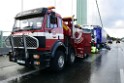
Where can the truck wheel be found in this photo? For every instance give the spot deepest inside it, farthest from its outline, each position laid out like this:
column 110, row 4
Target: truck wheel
column 86, row 55
column 58, row 61
column 71, row 57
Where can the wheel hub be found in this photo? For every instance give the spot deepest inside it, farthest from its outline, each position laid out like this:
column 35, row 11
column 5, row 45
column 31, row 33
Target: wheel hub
column 72, row 57
column 61, row 61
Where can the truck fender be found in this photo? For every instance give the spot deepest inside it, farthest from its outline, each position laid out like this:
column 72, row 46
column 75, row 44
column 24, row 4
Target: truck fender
column 56, row 46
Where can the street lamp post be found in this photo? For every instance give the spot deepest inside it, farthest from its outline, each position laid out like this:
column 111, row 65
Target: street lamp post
column 22, row 2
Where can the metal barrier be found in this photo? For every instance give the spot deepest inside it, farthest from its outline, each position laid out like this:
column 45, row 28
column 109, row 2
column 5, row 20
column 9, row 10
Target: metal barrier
column 3, row 49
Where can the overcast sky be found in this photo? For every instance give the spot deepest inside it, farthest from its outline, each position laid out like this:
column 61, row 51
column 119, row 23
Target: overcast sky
column 112, row 12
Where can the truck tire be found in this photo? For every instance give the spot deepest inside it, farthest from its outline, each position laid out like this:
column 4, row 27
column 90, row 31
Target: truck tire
column 58, row 62
column 71, row 57
column 86, row 55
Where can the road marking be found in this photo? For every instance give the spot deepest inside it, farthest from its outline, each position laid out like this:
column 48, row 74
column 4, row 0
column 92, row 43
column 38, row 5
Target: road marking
column 122, row 51
column 122, row 75
column 18, row 76
column 7, row 66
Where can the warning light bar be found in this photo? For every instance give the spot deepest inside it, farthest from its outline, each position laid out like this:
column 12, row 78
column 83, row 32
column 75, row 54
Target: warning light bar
column 51, row 7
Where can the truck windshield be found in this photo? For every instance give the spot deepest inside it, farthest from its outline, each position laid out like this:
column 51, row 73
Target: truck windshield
column 28, row 24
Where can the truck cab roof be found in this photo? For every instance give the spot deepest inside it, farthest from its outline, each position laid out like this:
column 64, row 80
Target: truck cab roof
column 31, row 13
column 34, row 13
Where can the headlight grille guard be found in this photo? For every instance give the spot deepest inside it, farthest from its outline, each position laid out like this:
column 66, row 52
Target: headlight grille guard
column 22, row 41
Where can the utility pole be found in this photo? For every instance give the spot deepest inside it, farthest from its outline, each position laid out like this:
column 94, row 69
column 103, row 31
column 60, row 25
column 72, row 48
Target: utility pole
column 55, row 3
column 1, row 39
column 22, row 4
column 72, row 7
column 81, row 12
column 99, row 13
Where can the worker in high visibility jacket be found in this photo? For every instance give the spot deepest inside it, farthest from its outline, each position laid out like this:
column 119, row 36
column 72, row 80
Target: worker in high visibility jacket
column 93, row 47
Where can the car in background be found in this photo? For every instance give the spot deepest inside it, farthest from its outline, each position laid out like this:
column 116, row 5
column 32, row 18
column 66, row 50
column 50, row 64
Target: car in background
column 122, row 40
column 110, row 41
column 117, row 41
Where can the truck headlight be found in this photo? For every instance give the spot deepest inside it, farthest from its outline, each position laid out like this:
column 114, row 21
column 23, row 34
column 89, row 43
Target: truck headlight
column 36, row 62
column 36, row 56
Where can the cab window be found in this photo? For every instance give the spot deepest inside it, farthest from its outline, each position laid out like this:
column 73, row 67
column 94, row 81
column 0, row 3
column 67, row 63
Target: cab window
column 60, row 22
column 52, row 21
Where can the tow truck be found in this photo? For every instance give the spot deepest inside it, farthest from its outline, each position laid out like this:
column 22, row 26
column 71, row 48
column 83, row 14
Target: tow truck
column 42, row 38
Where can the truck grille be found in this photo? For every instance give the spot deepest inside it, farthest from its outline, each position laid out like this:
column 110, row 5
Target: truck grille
column 19, row 41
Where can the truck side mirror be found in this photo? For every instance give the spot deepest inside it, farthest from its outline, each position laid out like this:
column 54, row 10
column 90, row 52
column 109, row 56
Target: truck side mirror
column 53, row 18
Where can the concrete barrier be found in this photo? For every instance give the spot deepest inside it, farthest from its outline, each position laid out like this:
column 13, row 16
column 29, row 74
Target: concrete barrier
column 4, row 51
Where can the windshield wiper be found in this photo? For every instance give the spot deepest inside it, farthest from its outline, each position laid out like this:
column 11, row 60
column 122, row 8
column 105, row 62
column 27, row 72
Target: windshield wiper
column 17, row 30
column 27, row 27
column 30, row 28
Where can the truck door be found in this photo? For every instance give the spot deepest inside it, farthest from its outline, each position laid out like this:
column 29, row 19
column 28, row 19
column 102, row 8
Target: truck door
column 53, row 30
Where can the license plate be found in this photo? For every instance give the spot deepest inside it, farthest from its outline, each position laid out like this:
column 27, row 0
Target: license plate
column 21, row 61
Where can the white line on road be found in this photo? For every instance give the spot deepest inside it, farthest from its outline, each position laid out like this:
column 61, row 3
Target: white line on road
column 122, row 75
column 18, row 76
column 7, row 66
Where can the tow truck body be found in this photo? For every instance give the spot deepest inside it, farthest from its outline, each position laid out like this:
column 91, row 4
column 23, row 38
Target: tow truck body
column 42, row 38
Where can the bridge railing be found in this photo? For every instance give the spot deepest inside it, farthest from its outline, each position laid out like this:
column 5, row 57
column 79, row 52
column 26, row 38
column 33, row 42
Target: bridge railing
column 3, row 48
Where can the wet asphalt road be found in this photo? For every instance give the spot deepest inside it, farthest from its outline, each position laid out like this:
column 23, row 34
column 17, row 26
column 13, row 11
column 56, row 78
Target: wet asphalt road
column 105, row 67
